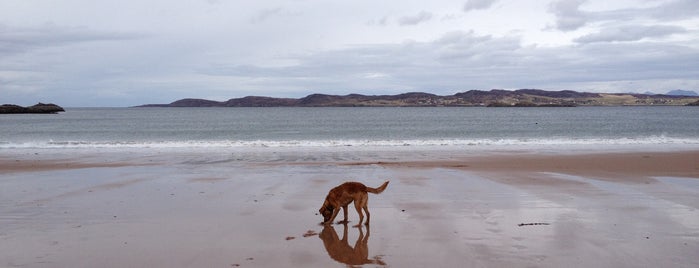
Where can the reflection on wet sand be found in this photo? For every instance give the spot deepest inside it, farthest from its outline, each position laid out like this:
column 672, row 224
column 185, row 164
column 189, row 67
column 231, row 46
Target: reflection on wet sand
column 341, row 251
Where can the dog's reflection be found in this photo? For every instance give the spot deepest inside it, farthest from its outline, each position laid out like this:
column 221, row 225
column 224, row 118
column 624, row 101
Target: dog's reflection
column 341, row 251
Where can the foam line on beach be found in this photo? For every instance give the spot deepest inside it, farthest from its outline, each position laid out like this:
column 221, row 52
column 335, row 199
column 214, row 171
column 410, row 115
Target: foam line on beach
column 345, row 143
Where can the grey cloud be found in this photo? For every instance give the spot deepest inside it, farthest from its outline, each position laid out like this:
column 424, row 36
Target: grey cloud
column 271, row 13
column 668, row 11
column 478, row 4
column 420, row 17
column 15, row 40
column 678, row 9
column 568, row 14
column 265, row 14
column 630, row 33
column 383, row 21
column 569, row 17
column 459, row 47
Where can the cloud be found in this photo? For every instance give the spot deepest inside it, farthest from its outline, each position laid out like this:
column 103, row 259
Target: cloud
column 478, row 4
column 568, row 14
column 570, row 17
column 15, row 40
column 630, row 33
column 383, row 21
column 420, row 17
column 265, row 14
column 668, row 11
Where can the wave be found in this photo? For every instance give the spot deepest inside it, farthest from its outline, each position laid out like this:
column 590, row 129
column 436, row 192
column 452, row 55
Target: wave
column 345, row 143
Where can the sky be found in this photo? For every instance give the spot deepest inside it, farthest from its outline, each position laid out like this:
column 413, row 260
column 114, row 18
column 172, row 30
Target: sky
column 102, row 53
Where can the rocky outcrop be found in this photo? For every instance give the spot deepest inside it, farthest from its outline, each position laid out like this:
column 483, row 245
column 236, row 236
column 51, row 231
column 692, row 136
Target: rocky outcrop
column 40, row 108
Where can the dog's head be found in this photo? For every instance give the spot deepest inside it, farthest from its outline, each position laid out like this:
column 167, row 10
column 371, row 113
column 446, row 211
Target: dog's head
column 327, row 211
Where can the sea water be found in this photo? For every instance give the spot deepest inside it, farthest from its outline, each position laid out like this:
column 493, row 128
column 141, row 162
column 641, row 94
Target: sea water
column 350, row 126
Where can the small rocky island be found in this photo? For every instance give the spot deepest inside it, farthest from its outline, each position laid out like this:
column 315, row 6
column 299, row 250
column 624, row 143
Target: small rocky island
column 39, row 108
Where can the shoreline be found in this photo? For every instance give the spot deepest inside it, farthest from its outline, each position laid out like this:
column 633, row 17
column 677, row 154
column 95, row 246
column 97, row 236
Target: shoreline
column 648, row 164
column 658, row 160
column 478, row 208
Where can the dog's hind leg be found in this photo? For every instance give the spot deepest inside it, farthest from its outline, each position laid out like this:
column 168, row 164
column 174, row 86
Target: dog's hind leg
column 359, row 205
column 367, row 215
column 366, row 209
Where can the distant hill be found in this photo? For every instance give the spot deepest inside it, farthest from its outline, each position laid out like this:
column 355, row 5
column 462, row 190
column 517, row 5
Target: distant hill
column 679, row 92
column 492, row 98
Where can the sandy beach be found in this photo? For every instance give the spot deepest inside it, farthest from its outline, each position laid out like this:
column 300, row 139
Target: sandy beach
column 258, row 208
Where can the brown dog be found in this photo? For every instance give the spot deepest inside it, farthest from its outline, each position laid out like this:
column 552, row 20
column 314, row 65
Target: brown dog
column 341, row 196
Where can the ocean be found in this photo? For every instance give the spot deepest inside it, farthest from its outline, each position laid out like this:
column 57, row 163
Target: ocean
column 348, row 126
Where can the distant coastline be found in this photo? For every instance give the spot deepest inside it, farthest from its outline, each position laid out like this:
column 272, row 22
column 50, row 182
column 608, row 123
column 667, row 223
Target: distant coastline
column 492, row 98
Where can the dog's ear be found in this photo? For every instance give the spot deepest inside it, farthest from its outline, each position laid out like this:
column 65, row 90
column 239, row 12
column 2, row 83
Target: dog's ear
column 330, row 207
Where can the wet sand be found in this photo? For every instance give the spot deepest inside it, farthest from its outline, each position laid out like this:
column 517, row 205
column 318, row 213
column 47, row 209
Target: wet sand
column 445, row 208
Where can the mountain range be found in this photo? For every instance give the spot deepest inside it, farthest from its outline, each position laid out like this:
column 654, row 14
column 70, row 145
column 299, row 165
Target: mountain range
column 492, row 98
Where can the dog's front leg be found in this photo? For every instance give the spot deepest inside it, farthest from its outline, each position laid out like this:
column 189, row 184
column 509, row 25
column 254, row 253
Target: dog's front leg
column 344, row 210
column 332, row 218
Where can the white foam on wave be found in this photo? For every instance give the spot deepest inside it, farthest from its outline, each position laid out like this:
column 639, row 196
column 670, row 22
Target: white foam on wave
column 654, row 140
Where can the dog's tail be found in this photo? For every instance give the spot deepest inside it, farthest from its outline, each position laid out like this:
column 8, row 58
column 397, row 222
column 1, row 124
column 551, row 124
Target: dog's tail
column 377, row 190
